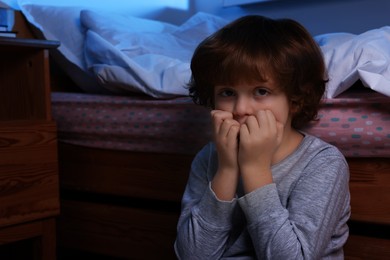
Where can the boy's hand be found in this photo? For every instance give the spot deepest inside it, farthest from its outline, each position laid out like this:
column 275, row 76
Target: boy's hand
column 260, row 137
column 225, row 136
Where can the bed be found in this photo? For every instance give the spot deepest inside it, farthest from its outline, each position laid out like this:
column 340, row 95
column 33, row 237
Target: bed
column 128, row 131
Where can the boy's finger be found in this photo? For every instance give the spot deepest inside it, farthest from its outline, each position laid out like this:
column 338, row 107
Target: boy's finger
column 252, row 123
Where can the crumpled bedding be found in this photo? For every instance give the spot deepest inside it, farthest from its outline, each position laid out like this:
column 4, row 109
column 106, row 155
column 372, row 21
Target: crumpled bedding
column 143, row 57
column 123, row 54
column 350, row 58
column 157, row 63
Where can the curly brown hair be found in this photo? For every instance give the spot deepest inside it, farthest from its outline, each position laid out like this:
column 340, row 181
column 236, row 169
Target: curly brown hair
column 253, row 47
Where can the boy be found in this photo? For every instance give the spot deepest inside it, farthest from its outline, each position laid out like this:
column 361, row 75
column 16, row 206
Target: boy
column 263, row 189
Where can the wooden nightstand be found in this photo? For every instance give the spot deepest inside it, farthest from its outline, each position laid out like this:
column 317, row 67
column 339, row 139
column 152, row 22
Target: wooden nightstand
column 29, row 189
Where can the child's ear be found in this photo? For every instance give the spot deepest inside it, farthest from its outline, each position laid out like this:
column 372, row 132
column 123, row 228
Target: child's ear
column 295, row 107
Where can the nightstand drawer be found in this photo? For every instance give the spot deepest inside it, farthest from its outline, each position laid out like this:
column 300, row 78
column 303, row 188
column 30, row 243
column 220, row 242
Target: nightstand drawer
column 28, row 171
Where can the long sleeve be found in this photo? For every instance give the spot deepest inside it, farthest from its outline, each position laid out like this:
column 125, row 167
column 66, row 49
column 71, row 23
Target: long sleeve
column 304, row 228
column 205, row 221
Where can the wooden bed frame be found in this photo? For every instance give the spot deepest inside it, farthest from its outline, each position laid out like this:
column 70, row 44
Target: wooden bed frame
column 120, row 204
column 126, row 204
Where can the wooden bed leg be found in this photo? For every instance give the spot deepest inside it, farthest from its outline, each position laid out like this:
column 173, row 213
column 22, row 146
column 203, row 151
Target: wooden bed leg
column 48, row 240
column 44, row 246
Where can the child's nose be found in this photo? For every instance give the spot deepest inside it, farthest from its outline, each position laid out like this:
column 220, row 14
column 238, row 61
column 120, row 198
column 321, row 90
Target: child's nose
column 242, row 108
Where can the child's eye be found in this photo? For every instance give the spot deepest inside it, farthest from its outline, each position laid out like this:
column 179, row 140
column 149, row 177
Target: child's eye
column 261, row 92
column 226, row 93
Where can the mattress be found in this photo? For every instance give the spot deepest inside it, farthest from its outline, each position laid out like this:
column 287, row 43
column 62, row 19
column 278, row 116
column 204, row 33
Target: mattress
column 131, row 123
column 357, row 122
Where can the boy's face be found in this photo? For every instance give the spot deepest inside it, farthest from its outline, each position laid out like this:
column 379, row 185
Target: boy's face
column 247, row 99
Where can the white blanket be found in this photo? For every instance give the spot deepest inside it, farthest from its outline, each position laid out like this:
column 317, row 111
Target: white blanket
column 133, row 57
column 350, row 57
column 128, row 54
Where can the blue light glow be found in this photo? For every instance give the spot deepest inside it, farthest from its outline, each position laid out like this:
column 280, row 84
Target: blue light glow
column 114, row 4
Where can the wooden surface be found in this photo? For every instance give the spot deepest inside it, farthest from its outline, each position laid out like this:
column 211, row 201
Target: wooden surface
column 38, row 236
column 13, row 44
column 108, row 183
column 117, row 231
column 29, row 186
column 370, row 190
column 131, row 207
column 121, row 173
column 364, row 248
column 28, row 171
column 24, row 84
column 22, row 26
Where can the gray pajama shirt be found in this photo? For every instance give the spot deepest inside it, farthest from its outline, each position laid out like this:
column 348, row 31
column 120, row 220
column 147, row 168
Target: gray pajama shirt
column 302, row 215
